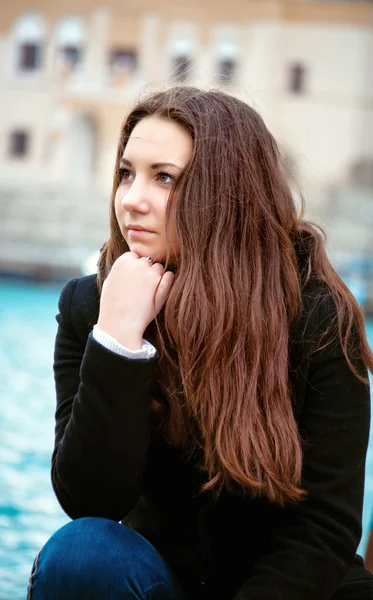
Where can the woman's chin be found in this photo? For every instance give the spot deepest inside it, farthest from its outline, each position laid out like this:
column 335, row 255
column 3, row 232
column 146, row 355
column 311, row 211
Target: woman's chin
column 144, row 251
column 141, row 249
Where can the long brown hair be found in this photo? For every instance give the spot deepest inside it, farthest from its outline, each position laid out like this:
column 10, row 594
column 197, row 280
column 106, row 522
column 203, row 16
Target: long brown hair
column 224, row 333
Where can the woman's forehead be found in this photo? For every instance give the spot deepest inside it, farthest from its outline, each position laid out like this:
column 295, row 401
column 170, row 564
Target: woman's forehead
column 161, row 139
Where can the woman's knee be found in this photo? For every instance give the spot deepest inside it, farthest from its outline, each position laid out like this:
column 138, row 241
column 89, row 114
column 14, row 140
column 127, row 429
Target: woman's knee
column 92, row 554
column 81, row 540
column 82, row 555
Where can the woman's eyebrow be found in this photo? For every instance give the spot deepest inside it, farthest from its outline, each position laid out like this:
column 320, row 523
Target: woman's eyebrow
column 158, row 165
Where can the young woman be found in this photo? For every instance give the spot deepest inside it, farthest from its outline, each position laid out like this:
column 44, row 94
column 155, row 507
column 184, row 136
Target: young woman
column 212, row 394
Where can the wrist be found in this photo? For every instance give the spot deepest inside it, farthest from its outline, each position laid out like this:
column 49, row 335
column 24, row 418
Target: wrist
column 129, row 338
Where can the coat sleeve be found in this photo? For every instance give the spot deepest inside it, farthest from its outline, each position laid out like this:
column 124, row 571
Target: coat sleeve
column 313, row 549
column 102, row 427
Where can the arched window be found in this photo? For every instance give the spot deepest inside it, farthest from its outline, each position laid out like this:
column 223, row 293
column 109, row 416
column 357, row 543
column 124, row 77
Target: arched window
column 227, row 61
column 29, row 35
column 70, row 39
column 181, row 57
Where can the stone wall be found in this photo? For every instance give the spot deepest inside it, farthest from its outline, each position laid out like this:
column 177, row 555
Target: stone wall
column 49, row 232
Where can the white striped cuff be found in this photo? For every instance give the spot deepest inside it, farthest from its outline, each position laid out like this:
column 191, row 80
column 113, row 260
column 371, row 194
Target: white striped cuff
column 106, row 340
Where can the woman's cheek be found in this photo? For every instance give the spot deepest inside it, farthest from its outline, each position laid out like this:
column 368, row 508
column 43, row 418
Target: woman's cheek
column 117, row 203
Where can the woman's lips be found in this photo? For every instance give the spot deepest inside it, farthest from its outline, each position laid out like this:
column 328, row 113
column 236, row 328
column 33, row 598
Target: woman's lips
column 139, row 233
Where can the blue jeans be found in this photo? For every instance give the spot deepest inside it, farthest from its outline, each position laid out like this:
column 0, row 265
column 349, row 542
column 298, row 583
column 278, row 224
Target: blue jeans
column 100, row 559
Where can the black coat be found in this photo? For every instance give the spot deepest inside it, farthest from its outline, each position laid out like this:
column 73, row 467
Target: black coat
column 109, row 462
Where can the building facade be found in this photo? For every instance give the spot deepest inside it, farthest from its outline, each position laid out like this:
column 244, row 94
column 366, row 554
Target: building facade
column 70, row 71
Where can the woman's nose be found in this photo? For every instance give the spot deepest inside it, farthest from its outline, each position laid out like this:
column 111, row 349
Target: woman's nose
column 135, row 198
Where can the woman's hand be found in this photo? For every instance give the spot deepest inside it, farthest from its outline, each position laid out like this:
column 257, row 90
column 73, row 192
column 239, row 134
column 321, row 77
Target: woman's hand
column 127, row 298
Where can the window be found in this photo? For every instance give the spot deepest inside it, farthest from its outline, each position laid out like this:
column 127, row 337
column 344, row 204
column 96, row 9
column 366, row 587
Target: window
column 123, row 60
column 70, row 34
column 182, row 66
column 28, row 57
column 29, row 35
column 71, row 55
column 226, row 53
column 297, row 78
column 181, row 49
column 19, row 143
column 227, row 70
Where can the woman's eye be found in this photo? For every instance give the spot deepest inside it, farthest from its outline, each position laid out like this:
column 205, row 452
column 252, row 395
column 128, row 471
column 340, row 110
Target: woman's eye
column 124, row 175
column 165, row 178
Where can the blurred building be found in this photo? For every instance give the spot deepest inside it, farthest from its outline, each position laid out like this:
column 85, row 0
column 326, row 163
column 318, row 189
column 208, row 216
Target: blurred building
column 70, row 71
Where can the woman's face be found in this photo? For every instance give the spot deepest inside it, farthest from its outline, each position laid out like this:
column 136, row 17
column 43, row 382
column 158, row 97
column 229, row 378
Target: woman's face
column 156, row 153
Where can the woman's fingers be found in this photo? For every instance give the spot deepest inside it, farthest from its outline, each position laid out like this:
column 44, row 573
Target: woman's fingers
column 163, row 289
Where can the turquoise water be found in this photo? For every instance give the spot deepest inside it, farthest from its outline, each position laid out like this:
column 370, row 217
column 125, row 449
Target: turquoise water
column 29, row 512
